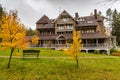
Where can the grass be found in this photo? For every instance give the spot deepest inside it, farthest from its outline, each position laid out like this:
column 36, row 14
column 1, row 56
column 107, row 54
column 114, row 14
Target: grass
column 59, row 68
column 43, row 52
column 47, row 52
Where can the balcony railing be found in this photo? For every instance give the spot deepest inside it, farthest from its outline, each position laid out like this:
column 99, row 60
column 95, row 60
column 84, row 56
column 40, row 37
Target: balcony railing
column 85, row 46
column 56, row 46
column 96, row 46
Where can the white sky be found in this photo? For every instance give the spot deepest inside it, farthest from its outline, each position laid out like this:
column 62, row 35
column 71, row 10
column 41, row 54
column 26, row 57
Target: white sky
column 30, row 11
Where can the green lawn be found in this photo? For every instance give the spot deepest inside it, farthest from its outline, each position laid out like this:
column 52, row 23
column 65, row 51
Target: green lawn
column 43, row 52
column 47, row 52
column 60, row 68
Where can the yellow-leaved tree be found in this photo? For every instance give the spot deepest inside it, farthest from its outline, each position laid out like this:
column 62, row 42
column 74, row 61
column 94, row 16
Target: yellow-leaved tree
column 75, row 47
column 13, row 33
column 35, row 40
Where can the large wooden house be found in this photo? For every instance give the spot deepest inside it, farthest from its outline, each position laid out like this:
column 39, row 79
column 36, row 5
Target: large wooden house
column 55, row 33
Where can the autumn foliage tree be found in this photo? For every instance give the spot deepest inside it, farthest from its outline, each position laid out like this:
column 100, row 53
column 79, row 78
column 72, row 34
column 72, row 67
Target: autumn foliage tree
column 35, row 40
column 12, row 33
column 75, row 47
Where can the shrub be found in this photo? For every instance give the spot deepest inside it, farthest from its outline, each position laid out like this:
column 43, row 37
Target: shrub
column 113, row 50
column 96, row 51
column 115, row 53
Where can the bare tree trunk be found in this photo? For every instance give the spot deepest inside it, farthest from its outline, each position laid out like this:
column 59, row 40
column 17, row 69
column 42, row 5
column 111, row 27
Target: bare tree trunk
column 12, row 50
column 77, row 64
column 18, row 50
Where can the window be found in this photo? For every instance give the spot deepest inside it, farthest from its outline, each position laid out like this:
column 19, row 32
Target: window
column 60, row 32
column 69, row 26
column 60, row 27
column 41, row 33
column 90, row 30
column 81, row 19
column 45, row 24
column 51, row 32
column 65, row 18
column 89, row 21
column 82, row 31
column 69, row 32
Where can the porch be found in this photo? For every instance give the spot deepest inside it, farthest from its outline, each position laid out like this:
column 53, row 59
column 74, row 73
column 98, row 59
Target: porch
column 85, row 47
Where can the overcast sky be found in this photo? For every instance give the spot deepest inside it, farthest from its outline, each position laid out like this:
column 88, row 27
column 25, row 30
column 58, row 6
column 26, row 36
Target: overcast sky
column 30, row 11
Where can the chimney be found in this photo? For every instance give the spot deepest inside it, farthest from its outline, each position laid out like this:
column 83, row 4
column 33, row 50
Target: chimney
column 76, row 15
column 95, row 13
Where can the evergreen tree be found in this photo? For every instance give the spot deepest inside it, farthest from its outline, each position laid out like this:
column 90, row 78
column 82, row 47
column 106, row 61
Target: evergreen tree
column 109, row 16
column 99, row 13
column 113, row 18
column 116, row 26
column 30, row 32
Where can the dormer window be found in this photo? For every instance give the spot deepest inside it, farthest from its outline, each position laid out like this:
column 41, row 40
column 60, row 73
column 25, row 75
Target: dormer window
column 89, row 21
column 81, row 19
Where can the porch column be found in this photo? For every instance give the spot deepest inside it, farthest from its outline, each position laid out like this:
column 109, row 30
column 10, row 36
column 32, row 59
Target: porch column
column 108, row 52
column 114, row 42
column 97, row 42
column 40, row 45
column 66, row 43
column 86, row 51
column 57, row 44
column 57, row 41
column 86, row 43
column 110, row 42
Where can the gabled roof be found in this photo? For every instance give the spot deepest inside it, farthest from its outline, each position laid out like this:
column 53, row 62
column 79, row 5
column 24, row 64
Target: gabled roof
column 43, row 19
column 89, row 18
column 63, row 14
column 61, row 35
column 99, row 18
column 47, row 23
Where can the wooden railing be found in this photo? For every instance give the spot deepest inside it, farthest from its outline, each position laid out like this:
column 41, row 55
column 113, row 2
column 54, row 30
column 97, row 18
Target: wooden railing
column 57, row 46
column 85, row 46
column 96, row 46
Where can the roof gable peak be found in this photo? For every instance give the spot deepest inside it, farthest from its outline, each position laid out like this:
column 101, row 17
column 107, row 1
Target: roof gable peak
column 64, row 13
column 43, row 19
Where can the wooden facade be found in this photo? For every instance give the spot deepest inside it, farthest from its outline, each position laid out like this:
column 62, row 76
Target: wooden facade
column 55, row 33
